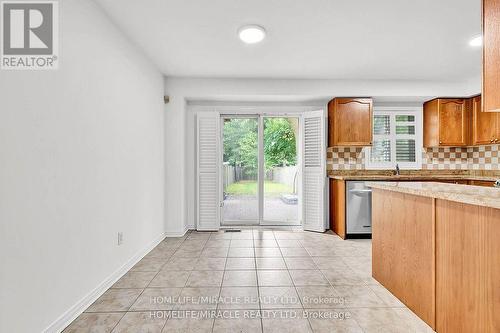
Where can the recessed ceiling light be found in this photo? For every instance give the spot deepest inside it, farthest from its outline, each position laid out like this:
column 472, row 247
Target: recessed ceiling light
column 476, row 41
column 252, row 34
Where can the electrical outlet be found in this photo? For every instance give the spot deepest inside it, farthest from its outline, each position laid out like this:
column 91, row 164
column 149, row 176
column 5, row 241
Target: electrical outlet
column 120, row 238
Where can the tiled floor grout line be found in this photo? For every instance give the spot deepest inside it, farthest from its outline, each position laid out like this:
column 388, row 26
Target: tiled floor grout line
column 284, row 308
column 117, row 322
column 329, row 283
column 295, row 287
column 257, row 281
column 173, row 306
column 220, row 289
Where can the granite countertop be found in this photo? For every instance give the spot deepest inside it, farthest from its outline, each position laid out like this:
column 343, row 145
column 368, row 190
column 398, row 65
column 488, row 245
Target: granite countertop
column 485, row 175
column 473, row 195
column 412, row 177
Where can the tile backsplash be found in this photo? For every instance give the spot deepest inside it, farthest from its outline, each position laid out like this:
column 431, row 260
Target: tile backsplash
column 484, row 157
column 345, row 158
column 444, row 158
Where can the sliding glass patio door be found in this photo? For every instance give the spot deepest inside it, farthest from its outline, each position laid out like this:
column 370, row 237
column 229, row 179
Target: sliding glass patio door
column 240, row 170
column 260, row 170
column 280, row 171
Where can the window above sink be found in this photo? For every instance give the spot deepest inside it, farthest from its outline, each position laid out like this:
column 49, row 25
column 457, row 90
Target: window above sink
column 397, row 139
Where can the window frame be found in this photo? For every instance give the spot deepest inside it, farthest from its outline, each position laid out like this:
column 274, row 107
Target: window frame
column 392, row 112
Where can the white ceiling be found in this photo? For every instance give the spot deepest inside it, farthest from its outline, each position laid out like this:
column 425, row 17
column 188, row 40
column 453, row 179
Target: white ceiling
column 334, row 39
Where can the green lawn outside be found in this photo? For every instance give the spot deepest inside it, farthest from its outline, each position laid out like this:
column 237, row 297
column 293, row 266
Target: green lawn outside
column 249, row 187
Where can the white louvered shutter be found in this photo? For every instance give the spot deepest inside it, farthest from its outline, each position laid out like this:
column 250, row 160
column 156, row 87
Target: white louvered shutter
column 208, row 211
column 313, row 130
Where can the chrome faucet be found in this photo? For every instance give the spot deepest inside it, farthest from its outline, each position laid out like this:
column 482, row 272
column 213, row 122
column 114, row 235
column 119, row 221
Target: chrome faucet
column 497, row 183
column 397, row 172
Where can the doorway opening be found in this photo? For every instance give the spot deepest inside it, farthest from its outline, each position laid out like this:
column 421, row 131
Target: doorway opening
column 260, row 170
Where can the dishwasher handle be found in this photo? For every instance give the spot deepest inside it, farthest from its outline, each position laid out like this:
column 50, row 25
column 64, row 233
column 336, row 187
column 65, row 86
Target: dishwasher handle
column 360, row 192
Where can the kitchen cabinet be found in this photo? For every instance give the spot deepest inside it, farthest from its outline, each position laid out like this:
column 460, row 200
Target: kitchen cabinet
column 484, row 183
column 439, row 257
column 337, row 207
column 491, row 56
column 403, row 249
column 453, row 181
column 338, row 198
column 486, row 125
column 467, row 270
column 350, row 122
column 446, row 123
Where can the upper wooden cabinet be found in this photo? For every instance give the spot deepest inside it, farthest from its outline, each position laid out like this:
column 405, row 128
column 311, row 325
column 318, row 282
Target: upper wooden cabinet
column 491, row 55
column 486, row 125
column 446, row 123
column 350, row 122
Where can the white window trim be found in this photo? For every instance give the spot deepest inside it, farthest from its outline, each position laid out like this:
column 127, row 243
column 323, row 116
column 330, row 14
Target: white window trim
column 392, row 111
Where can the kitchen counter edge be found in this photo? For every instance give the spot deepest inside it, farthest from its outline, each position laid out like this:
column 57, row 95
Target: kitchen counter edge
column 467, row 194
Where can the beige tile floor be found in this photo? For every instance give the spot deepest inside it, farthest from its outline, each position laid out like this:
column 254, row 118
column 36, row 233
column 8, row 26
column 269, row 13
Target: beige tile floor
column 258, row 280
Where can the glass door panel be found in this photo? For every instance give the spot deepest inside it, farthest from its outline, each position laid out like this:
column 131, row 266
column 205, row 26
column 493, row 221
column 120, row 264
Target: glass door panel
column 240, row 170
column 281, row 170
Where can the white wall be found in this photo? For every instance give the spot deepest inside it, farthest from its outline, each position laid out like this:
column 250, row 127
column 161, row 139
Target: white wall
column 294, row 94
column 81, row 152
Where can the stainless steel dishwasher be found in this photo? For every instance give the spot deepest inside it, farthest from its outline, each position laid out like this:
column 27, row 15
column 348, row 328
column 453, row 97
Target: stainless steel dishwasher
column 359, row 208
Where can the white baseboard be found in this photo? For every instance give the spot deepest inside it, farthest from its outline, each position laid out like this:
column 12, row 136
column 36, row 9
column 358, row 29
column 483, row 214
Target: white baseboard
column 176, row 233
column 65, row 319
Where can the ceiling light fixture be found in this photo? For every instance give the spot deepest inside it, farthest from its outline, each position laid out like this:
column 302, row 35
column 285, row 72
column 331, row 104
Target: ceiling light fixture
column 476, row 41
column 252, row 34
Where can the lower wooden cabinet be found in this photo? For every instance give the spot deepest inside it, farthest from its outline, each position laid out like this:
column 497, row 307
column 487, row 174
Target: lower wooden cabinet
column 337, row 200
column 485, row 183
column 454, row 181
column 403, row 249
column 467, row 268
column 441, row 258
column 337, row 207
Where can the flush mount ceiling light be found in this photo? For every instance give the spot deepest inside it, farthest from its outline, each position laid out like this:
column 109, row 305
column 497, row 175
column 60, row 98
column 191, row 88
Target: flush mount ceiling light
column 252, row 34
column 476, row 41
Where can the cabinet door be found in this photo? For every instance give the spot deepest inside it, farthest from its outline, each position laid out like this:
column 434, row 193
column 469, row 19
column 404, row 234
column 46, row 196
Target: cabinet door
column 497, row 132
column 485, row 124
column 337, row 207
column 431, row 123
column 331, row 112
column 467, row 270
column 352, row 122
column 452, row 122
column 491, row 56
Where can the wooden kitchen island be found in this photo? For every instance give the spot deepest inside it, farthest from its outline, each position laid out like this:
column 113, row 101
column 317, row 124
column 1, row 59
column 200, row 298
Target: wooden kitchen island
column 437, row 248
